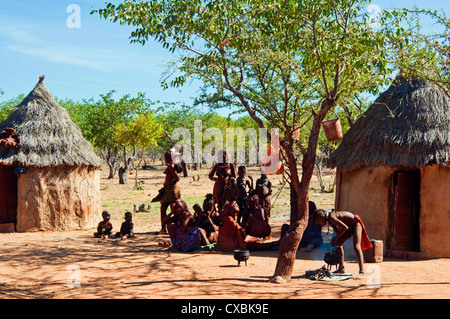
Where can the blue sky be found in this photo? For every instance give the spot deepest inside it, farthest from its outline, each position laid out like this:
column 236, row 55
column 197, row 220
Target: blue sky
column 95, row 58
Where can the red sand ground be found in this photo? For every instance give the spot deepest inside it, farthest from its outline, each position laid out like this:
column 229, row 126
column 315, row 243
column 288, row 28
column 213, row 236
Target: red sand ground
column 37, row 265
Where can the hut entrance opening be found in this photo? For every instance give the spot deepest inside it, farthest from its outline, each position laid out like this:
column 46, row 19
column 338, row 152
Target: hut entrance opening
column 8, row 195
column 406, row 210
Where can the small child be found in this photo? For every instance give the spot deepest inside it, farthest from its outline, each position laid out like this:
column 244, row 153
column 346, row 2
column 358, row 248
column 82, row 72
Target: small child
column 264, row 190
column 105, row 227
column 345, row 225
column 230, row 192
column 127, row 227
column 244, row 186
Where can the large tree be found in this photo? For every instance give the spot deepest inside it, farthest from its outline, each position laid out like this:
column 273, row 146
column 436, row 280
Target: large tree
column 287, row 63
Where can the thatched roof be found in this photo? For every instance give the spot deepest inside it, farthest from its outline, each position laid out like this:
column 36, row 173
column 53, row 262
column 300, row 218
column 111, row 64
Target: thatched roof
column 407, row 126
column 48, row 137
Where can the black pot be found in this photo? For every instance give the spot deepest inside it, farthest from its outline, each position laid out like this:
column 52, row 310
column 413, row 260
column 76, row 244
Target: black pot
column 241, row 255
column 331, row 258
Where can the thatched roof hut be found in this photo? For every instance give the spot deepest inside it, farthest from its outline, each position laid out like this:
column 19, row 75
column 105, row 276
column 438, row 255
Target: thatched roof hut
column 408, row 125
column 393, row 169
column 48, row 135
column 53, row 172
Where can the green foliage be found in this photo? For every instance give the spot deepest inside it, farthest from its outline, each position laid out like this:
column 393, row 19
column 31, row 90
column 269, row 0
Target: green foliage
column 197, row 121
column 143, row 131
column 276, row 60
column 7, row 106
column 425, row 54
column 100, row 119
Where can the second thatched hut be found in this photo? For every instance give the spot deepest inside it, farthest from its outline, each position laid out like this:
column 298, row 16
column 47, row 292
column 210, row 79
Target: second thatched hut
column 393, row 169
column 50, row 174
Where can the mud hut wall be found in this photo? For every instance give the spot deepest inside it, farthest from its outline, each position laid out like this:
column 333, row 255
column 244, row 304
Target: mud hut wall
column 61, row 197
column 435, row 211
column 366, row 192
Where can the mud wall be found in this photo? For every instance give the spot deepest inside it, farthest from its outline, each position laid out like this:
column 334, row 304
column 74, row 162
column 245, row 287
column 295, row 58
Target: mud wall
column 368, row 192
column 58, row 198
column 435, row 211
column 365, row 192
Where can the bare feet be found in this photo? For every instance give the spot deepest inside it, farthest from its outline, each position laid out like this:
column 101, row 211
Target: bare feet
column 340, row 270
column 164, row 244
column 361, row 275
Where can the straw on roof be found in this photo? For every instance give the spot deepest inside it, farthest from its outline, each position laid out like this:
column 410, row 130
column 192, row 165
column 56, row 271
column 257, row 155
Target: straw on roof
column 48, row 137
column 407, row 126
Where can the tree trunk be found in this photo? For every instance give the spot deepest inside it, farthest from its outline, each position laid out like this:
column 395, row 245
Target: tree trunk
column 137, row 167
column 111, row 170
column 299, row 220
column 123, row 171
column 319, row 173
column 111, row 160
column 184, row 167
column 123, row 175
column 289, row 244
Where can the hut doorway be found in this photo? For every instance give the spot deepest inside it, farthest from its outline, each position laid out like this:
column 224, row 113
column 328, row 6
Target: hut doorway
column 8, row 195
column 406, row 235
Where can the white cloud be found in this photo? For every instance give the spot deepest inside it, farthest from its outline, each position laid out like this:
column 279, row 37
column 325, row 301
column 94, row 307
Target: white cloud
column 57, row 55
column 24, row 39
column 32, row 40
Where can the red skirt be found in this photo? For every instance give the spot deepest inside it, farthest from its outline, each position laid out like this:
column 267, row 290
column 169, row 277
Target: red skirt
column 365, row 241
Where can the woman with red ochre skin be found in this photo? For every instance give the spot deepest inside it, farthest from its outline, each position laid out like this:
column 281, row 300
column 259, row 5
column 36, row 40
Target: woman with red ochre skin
column 224, row 170
column 345, row 225
column 170, row 192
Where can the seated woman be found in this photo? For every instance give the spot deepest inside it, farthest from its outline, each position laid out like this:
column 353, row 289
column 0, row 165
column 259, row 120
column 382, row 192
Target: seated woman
column 254, row 220
column 233, row 237
column 204, row 221
column 184, row 235
column 312, row 236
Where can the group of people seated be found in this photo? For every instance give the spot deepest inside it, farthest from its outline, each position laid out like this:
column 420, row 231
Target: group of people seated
column 234, row 217
column 232, row 194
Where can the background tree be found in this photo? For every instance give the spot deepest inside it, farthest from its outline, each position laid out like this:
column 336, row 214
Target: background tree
column 7, row 106
column 286, row 63
column 99, row 119
column 143, row 132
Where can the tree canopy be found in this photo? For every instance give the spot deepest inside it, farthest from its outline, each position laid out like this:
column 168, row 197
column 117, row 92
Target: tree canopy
column 287, row 63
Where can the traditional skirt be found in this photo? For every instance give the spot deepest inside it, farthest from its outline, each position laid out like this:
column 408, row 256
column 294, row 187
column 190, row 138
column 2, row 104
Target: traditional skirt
column 188, row 240
column 168, row 194
column 365, row 240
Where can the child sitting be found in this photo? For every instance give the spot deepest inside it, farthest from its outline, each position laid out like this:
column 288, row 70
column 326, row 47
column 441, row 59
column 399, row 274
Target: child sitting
column 127, row 227
column 105, row 227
